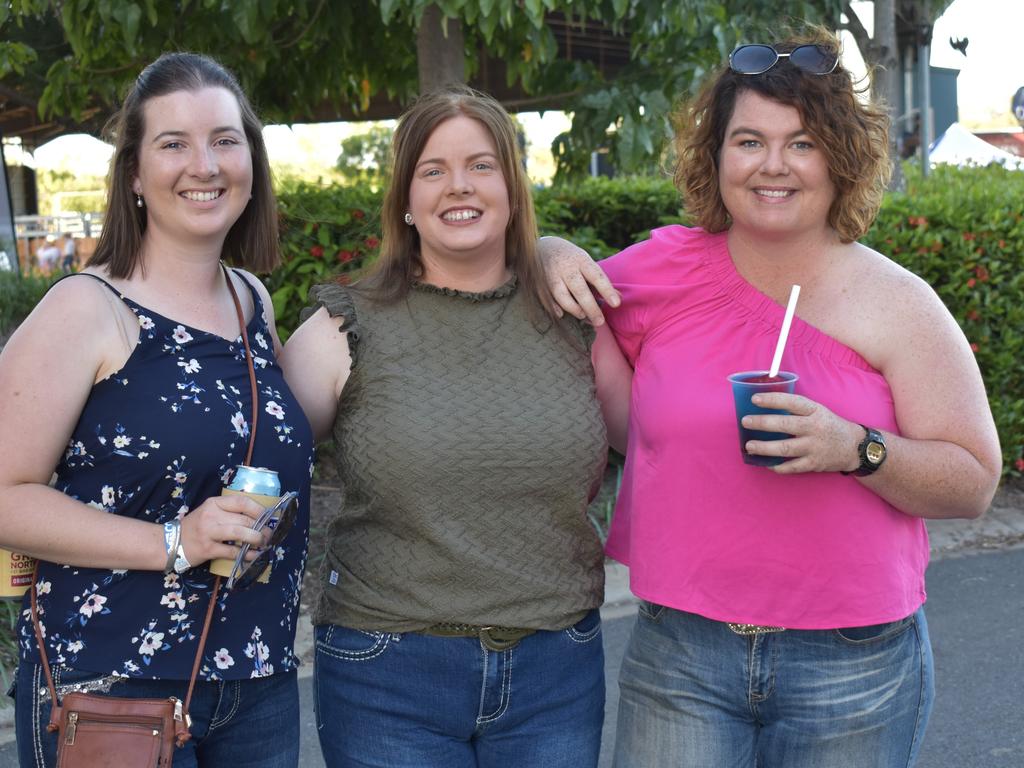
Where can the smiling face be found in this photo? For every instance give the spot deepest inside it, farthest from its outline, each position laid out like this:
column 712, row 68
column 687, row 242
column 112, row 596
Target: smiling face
column 773, row 176
column 458, row 196
column 195, row 166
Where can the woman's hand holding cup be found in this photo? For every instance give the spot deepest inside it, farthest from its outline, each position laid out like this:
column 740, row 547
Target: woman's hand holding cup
column 219, row 526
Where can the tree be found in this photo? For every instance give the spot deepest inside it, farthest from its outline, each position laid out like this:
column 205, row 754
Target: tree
column 910, row 20
column 303, row 60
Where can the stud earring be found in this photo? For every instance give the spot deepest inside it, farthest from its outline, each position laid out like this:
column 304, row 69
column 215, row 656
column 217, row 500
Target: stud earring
column 138, row 201
column 408, row 219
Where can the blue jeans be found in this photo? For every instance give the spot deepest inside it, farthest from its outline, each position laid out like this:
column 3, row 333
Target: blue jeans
column 695, row 695
column 409, row 700
column 239, row 723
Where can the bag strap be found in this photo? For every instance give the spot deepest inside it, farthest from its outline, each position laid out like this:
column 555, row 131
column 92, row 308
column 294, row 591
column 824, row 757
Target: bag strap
column 182, row 733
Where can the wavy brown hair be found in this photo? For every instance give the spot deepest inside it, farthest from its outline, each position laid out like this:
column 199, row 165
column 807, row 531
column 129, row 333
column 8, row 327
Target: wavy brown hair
column 399, row 262
column 853, row 135
column 252, row 241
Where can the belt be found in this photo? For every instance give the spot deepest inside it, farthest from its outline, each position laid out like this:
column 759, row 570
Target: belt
column 753, row 629
column 495, row 638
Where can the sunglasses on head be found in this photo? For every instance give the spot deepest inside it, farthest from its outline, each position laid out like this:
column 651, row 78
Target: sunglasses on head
column 759, row 58
column 278, row 519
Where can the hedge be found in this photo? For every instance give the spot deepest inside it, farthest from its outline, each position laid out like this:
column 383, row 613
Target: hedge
column 959, row 229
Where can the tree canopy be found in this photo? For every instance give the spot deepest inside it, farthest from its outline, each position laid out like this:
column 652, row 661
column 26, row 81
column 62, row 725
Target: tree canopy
column 307, row 60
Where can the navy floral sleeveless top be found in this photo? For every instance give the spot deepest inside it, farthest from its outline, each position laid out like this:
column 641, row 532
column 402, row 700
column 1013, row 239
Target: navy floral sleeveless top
column 154, row 440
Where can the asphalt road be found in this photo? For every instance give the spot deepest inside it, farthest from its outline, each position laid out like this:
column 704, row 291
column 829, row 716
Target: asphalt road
column 976, row 618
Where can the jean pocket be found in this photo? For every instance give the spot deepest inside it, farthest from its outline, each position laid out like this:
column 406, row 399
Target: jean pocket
column 350, row 644
column 651, row 611
column 875, row 633
column 586, row 629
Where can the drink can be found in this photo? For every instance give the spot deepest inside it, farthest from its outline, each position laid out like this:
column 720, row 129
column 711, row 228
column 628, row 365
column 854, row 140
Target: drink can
column 264, row 487
column 16, row 572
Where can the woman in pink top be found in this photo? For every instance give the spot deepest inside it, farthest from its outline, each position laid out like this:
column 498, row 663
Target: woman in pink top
column 780, row 620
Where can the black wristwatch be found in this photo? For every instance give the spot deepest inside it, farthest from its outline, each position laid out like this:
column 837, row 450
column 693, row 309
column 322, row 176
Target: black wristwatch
column 872, row 453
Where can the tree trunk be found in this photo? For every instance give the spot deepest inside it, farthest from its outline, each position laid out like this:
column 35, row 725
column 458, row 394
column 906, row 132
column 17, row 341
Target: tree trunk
column 886, row 85
column 440, row 50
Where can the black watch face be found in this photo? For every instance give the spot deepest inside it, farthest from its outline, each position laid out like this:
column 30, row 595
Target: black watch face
column 875, row 452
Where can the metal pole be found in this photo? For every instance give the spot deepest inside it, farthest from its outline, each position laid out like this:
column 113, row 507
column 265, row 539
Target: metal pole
column 924, row 55
column 8, row 239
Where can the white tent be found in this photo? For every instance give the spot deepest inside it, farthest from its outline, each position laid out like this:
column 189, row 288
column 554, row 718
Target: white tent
column 958, row 146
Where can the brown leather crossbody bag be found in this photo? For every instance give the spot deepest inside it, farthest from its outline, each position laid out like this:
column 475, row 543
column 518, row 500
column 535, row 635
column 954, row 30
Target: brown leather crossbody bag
column 95, row 731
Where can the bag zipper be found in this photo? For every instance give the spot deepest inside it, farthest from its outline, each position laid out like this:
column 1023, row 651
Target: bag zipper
column 69, row 737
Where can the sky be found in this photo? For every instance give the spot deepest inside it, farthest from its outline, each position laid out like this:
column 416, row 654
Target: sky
column 987, row 82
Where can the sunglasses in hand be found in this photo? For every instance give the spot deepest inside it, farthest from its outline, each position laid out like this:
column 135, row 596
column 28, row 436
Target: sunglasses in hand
column 278, row 519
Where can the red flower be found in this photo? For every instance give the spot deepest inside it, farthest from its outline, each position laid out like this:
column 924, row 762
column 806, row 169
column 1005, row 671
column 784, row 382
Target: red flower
column 974, row 347
column 968, row 236
column 344, row 256
column 971, row 282
column 358, row 214
column 981, row 273
column 1019, row 464
column 973, row 315
column 371, row 242
column 317, row 251
column 917, row 221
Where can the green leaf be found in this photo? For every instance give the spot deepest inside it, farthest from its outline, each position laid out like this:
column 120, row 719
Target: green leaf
column 128, row 16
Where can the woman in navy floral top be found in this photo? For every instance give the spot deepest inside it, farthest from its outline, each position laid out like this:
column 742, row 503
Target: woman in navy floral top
column 129, row 381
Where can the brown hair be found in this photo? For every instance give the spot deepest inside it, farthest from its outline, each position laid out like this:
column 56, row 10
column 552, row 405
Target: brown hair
column 399, row 262
column 252, row 241
column 853, row 135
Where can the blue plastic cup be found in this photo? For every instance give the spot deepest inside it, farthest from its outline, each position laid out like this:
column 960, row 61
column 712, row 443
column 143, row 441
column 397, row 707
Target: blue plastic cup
column 744, row 386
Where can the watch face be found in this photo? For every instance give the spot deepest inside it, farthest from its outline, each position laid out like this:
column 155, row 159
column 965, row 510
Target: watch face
column 875, row 452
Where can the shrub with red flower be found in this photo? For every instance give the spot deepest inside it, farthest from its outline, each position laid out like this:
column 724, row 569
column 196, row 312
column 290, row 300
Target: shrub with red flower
column 317, row 251
column 358, row 214
column 345, row 256
column 1019, row 464
column 371, row 242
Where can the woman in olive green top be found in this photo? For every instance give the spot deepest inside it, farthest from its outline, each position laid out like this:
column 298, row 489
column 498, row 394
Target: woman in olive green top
column 458, row 624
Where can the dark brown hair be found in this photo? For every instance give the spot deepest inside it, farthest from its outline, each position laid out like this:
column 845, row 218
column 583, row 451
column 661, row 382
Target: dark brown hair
column 252, row 241
column 853, row 135
column 399, row 262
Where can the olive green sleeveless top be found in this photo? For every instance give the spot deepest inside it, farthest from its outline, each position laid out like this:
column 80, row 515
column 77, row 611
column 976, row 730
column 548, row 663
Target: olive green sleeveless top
column 468, row 443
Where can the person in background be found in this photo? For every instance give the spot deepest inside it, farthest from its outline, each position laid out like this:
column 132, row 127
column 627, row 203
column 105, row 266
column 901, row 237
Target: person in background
column 48, row 255
column 458, row 625
column 129, row 380
column 68, row 253
column 781, row 620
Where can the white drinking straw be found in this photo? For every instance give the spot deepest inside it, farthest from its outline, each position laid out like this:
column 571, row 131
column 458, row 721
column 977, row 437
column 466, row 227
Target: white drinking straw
column 784, row 333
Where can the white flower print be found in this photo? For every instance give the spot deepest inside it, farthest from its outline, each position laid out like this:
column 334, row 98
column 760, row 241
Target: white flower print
column 180, row 478
column 240, row 425
column 180, row 335
column 145, row 322
column 151, row 642
column 43, row 588
column 259, row 362
column 223, row 659
column 179, row 617
column 121, row 441
column 191, row 366
column 143, row 454
column 265, row 671
column 173, row 599
column 75, row 646
column 261, row 341
column 275, row 410
column 258, row 651
column 108, row 496
column 170, row 580
column 131, row 666
column 93, row 604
